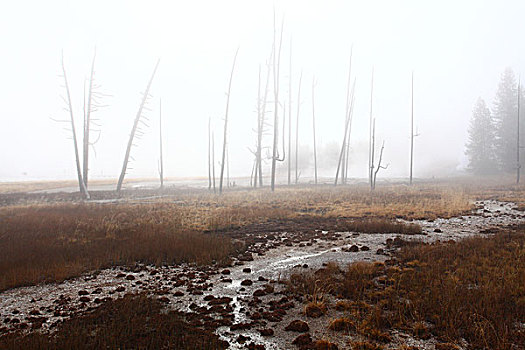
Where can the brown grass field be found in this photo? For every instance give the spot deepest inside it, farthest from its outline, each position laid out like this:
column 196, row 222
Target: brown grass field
column 472, row 290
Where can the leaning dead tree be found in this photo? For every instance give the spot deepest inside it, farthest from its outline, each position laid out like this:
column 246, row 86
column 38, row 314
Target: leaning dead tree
column 161, row 161
column 139, row 118
column 69, row 108
column 226, row 124
column 276, row 69
column 313, row 124
column 348, row 119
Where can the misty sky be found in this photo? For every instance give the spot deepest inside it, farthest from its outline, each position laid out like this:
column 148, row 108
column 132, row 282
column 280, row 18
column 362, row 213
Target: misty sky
column 457, row 50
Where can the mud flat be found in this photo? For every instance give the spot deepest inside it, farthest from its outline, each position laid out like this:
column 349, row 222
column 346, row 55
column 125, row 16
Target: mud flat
column 246, row 301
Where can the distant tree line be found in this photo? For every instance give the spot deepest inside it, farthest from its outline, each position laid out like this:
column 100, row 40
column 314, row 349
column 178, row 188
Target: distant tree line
column 494, row 144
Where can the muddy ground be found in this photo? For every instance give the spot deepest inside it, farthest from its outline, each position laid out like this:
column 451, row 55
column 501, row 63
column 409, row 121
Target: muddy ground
column 246, row 301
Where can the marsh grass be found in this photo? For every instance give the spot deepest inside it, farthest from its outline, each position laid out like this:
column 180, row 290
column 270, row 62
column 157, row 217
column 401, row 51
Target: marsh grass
column 52, row 243
column 470, row 290
column 131, row 322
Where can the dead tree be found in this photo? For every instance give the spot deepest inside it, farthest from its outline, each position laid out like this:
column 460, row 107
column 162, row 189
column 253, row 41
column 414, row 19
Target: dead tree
column 262, row 120
column 290, row 119
column 88, row 121
column 226, row 123
column 349, row 100
column 518, row 165
column 213, row 160
column 138, row 118
column 209, row 154
column 313, row 124
column 276, row 68
column 370, row 145
column 161, row 162
column 81, row 183
column 379, row 166
column 297, row 131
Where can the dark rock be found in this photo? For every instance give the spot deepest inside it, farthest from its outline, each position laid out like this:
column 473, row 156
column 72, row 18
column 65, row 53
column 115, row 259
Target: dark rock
column 120, row 289
column 83, row 292
column 225, row 272
column 130, row 277
column 246, row 283
column 247, row 270
column 84, row 300
column 438, row 230
column 298, row 326
column 303, row 340
column 266, row 332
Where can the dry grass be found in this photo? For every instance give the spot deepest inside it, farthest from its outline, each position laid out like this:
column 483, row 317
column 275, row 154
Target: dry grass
column 470, row 290
column 132, row 322
column 52, row 243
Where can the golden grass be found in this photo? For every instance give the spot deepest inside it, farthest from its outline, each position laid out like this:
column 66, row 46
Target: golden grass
column 470, row 290
column 52, row 243
column 131, row 322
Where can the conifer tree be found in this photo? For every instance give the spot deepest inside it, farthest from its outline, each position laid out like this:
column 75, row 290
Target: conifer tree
column 505, row 112
column 481, row 141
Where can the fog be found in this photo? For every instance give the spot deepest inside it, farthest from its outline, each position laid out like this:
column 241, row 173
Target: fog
column 457, row 51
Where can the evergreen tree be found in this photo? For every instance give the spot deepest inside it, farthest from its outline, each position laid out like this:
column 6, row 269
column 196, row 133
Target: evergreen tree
column 505, row 113
column 481, row 138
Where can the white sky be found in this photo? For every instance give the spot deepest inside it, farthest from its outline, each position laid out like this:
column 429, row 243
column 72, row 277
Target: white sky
column 457, row 49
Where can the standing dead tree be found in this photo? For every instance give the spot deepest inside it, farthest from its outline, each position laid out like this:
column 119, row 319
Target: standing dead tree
column 226, row 123
column 412, row 134
column 379, row 166
column 69, row 108
column 370, row 141
column 290, row 119
column 213, row 160
column 276, row 69
column 139, row 118
column 91, row 106
column 261, row 123
column 161, row 161
column 313, row 124
column 209, row 154
column 518, row 165
column 297, row 174
column 348, row 119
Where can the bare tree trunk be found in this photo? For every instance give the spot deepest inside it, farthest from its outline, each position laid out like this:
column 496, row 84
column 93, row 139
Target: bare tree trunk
column 161, row 161
column 138, row 118
column 276, row 65
column 518, row 167
column 372, row 184
column 227, row 167
column 209, row 154
column 262, row 121
column 342, row 159
column 213, row 160
column 297, row 130
column 226, row 123
column 412, row 131
column 379, row 166
column 81, row 184
column 290, row 120
column 370, row 146
column 313, row 124
column 87, row 123
column 343, row 156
